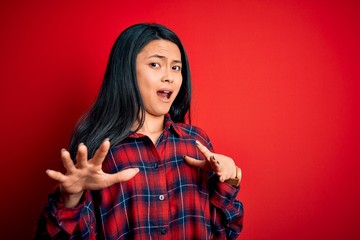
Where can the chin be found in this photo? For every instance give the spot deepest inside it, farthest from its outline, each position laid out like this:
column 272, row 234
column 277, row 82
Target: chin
column 158, row 113
column 163, row 112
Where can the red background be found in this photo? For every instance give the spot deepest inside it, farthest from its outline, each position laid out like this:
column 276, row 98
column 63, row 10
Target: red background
column 276, row 87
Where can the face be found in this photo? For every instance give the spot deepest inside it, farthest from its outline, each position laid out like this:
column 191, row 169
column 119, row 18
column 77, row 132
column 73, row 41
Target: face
column 158, row 72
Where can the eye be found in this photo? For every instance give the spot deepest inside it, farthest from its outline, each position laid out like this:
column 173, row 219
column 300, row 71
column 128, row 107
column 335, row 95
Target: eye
column 176, row 68
column 154, row 65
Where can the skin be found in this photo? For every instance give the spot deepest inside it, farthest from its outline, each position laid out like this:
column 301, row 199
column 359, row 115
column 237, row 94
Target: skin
column 86, row 174
column 158, row 68
column 222, row 165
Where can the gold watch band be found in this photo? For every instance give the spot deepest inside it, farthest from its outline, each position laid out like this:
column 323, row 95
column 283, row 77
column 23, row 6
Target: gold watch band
column 234, row 181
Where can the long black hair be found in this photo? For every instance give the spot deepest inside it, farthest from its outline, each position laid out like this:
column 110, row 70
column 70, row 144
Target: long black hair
column 119, row 104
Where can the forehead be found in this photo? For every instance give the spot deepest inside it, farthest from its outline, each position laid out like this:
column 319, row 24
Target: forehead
column 161, row 47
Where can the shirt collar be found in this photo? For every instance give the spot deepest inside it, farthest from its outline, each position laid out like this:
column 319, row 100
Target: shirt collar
column 169, row 125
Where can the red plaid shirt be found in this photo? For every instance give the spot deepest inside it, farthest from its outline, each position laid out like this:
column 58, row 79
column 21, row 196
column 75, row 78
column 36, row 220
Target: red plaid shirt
column 167, row 199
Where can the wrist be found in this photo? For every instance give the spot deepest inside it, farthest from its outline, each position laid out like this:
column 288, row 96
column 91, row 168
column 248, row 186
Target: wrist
column 70, row 200
column 235, row 181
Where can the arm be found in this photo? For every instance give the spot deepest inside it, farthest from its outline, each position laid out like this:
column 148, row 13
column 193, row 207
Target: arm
column 70, row 210
column 226, row 211
column 58, row 222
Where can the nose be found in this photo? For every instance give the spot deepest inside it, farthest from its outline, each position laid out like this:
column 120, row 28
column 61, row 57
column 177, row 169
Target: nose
column 167, row 76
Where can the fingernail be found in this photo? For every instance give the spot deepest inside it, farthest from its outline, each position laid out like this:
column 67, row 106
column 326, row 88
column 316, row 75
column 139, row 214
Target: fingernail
column 63, row 150
column 107, row 139
column 184, row 156
column 81, row 143
column 197, row 142
column 137, row 170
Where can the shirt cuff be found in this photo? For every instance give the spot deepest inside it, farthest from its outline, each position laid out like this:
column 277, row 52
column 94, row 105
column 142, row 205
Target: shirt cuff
column 221, row 194
column 62, row 218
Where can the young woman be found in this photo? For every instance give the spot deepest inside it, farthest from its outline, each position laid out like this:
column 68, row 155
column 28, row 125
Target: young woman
column 135, row 169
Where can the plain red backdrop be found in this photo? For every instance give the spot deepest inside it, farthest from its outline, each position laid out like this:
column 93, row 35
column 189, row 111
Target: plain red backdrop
column 276, row 87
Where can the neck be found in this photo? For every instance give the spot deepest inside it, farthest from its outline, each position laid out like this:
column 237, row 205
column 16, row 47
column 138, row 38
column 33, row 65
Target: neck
column 153, row 126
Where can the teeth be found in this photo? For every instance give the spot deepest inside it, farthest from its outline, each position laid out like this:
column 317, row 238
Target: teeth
column 166, row 91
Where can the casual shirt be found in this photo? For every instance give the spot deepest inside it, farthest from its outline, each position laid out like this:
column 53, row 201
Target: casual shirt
column 167, row 199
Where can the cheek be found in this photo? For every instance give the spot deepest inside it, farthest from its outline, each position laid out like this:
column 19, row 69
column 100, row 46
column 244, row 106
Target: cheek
column 144, row 80
column 178, row 87
column 180, row 82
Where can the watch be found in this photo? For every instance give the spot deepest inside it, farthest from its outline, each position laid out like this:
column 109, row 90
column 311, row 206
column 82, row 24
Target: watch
column 234, row 181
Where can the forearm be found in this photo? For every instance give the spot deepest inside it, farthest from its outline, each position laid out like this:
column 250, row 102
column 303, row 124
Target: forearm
column 228, row 212
column 43, row 230
column 58, row 220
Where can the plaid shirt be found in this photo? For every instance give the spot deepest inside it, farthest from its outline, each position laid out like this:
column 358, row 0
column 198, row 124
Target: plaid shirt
column 167, row 199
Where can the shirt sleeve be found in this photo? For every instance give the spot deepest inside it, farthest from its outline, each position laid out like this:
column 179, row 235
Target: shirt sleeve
column 58, row 222
column 227, row 212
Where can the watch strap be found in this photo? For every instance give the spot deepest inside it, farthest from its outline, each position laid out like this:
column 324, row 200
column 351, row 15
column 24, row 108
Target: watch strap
column 234, row 181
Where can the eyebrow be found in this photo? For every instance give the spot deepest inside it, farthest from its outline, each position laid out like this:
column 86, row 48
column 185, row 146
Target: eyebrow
column 163, row 57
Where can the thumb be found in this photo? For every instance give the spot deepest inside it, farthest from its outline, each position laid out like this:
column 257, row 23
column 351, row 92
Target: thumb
column 195, row 162
column 123, row 175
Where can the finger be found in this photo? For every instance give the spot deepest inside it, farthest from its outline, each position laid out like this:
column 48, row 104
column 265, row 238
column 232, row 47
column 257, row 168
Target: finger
column 239, row 174
column 195, row 162
column 101, row 152
column 122, row 176
column 214, row 159
column 58, row 176
column 204, row 150
column 222, row 178
column 66, row 160
column 81, row 155
column 214, row 162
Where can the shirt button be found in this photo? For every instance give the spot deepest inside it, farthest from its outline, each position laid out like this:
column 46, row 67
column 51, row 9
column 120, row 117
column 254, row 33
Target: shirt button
column 163, row 231
column 161, row 197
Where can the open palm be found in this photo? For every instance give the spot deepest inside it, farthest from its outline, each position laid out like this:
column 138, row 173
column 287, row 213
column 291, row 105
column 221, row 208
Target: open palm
column 87, row 174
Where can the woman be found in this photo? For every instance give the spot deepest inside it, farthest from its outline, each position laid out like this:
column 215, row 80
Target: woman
column 159, row 177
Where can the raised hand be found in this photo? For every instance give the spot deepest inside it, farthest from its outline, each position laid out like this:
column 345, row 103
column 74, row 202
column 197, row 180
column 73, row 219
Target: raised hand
column 222, row 165
column 86, row 174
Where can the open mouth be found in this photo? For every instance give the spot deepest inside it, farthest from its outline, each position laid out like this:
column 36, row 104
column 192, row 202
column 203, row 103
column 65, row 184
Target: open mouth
column 164, row 94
